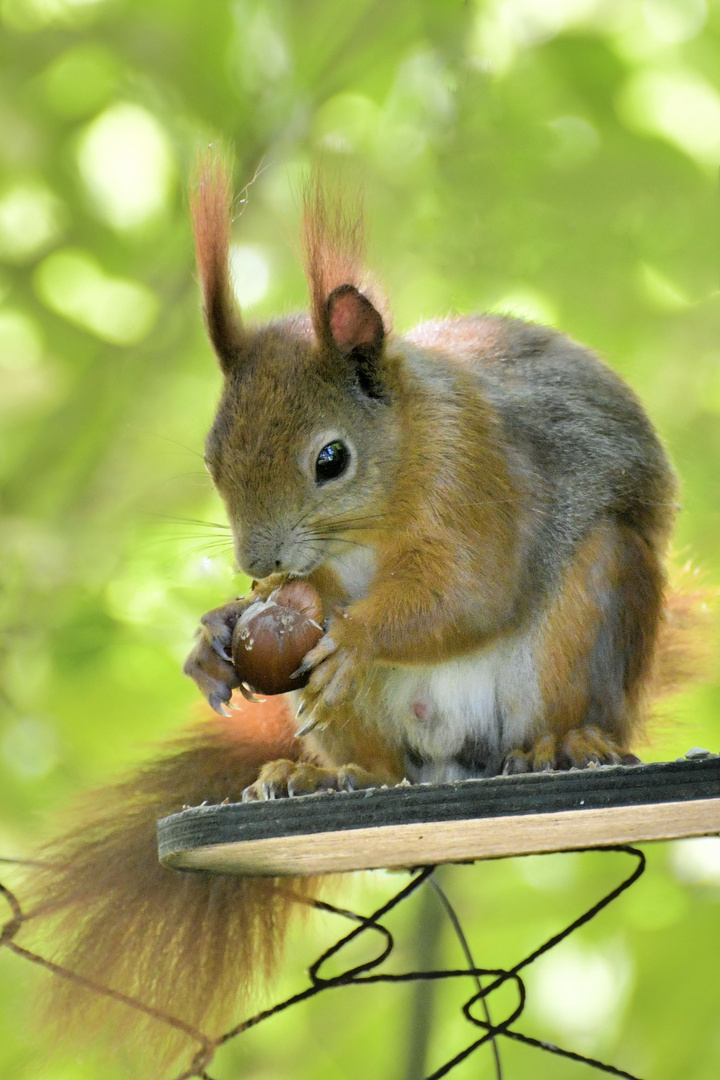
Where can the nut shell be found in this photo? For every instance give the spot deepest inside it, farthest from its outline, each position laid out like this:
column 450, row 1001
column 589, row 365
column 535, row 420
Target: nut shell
column 272, row 637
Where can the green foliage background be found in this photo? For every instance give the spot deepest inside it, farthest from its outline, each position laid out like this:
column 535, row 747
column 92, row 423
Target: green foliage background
column 556, row 158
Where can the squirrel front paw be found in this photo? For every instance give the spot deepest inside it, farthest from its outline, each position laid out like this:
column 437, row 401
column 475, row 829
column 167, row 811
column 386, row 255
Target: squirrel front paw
column 210, row 663
column 332, row 682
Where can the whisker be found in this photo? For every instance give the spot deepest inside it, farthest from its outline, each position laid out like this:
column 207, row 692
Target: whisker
column 329, row 526
column 330, row 529
column 300, row 520
column 336, row 540
column 358, row 518
column 167, row 439
column 208, row 551
column 208, row 542
column 195, row 536
column 188, row 521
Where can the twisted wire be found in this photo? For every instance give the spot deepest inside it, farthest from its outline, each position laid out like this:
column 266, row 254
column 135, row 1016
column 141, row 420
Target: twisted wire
column 365, row 973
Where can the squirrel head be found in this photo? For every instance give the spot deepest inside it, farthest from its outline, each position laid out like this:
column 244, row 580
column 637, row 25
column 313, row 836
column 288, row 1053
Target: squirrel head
column 306, row 434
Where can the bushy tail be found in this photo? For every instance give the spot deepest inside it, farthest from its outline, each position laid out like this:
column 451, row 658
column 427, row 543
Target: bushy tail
column 686, row 638
column 191, row 945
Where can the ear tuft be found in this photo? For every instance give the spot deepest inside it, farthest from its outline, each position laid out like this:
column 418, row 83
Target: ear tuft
column 354, row 322
column 211, row 198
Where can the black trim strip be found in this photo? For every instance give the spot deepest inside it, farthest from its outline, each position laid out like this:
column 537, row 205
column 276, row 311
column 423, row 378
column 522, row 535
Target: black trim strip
column 500, row 796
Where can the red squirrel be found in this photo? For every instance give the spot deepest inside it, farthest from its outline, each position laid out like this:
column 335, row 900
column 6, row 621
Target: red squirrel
column 484, row 509
column 483, row 506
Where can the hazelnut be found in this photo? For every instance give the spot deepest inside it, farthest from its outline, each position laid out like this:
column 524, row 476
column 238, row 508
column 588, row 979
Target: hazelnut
column 273, row 636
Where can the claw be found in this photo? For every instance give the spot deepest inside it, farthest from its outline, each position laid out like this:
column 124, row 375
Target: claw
column 217, row 703
column 311, row 722
column 324, row 648
column 249, row 694
column 340, row 686
column 221, row 651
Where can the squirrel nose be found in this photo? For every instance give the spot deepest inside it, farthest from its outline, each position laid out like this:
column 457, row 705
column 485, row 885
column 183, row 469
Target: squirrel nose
column 260, row 566
column 259, row 554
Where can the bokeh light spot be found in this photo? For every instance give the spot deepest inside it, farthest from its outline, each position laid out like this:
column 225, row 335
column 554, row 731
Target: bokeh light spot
column 576, row 140
column 346, row 122
column 527, row 303
column 582, row 991
column 75, row 286
column 679, row 106
column 30, row 747
column 31, row 217
column 30, row 15
column 81, row 80
column 127, row 165
column 674, row 21
column 659, row 291
column 21, row 345
column 250, row 274
column 697, row 861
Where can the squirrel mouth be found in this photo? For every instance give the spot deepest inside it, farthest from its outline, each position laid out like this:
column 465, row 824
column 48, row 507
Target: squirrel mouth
column 318, row 561
column 307, row 568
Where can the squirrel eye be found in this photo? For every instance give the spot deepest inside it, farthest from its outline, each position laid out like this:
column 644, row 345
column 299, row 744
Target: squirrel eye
column 332, row 461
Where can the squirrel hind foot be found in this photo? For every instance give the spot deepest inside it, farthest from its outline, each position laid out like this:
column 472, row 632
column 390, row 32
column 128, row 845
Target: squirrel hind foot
column 287, row 779
column 582, row 748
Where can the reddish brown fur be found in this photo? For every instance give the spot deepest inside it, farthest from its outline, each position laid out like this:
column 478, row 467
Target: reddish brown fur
column 351, row 741
column 410, row 613
column 417, row 611
column 615, row 570
column 687, row 637
column 642, row 584
column 185, row 944
column 568, row 634
column 211, row 200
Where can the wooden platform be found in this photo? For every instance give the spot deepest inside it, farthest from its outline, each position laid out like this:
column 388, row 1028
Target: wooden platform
column 425, row 824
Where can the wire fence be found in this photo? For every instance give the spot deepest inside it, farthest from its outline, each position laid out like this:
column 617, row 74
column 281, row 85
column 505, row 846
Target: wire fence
column 487, row 981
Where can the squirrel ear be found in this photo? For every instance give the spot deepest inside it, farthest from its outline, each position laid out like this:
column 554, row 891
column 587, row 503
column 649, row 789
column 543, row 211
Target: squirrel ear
column 354, row 323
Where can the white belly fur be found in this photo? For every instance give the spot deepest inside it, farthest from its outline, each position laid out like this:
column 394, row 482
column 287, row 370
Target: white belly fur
column 489, row 699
